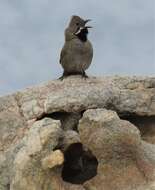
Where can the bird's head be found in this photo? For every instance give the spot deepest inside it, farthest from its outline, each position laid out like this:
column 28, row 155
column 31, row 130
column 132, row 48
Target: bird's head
column 78, row 25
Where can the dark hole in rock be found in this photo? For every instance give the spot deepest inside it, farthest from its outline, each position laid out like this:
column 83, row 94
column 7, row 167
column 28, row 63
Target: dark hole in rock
column 8, row 186
column 54, row 115
column 80, row 165
column 146, row 125
column 69, row 120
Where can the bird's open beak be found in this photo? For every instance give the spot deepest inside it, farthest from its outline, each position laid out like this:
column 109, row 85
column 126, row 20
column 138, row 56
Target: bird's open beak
column 88, row 20
column 84, row 27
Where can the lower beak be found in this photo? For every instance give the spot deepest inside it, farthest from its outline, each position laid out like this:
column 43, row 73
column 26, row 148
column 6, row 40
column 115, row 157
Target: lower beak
column 88, row 27
column 81, row 28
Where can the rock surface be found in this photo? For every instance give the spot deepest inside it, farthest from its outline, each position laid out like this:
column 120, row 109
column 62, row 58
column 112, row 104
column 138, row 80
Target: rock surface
column 123, row 161
column 101, row 130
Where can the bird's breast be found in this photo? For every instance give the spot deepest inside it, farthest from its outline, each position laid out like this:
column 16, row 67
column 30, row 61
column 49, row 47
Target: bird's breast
column 81, row 47
column 78, row 56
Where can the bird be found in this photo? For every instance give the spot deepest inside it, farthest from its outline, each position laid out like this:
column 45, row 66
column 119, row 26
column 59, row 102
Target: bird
column 77, row 52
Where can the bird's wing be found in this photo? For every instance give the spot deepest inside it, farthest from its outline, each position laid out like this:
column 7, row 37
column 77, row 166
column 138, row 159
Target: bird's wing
column 63, row 53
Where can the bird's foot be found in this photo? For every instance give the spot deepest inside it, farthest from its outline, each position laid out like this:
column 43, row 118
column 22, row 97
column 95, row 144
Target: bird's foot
column 61, row 78
column 84, row 75
column 64, row 75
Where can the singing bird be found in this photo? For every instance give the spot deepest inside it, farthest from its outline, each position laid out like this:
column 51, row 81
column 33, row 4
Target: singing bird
column 77, row 52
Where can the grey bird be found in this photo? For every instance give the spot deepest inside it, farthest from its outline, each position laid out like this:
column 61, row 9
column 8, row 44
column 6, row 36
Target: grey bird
column 77, row 52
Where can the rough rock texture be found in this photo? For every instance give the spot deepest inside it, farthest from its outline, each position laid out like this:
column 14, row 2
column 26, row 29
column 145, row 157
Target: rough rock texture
column 79, row 134
column 56, row 158
column 125, row 161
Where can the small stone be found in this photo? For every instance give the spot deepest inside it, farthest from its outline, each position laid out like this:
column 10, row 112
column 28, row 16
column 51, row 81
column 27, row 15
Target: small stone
column 56, row 158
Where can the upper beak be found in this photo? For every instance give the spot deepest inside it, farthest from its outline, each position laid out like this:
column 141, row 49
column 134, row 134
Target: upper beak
column 86, row 22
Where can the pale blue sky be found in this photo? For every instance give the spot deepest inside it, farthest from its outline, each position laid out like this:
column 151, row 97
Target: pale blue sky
column 32, row 34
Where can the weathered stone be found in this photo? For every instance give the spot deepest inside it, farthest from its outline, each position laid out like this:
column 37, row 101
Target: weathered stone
column 75, row 94
column 145, row 124
column 12, row 128
column 125, row 161
column 56, row 158
column 41, row 139
column 45, row 119
column 70, row 121
column 70, row 137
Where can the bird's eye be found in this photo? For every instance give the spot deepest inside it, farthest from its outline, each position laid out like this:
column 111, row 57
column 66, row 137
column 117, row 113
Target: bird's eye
column 77, row 24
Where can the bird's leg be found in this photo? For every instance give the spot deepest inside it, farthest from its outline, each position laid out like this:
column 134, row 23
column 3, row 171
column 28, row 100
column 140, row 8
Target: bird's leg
column 84, row 74
column 64, row 75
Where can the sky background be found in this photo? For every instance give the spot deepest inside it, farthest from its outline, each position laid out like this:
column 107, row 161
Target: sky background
column 32, row 35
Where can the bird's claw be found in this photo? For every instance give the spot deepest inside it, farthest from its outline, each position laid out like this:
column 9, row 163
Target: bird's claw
column 84, row 75
column 61, row 78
